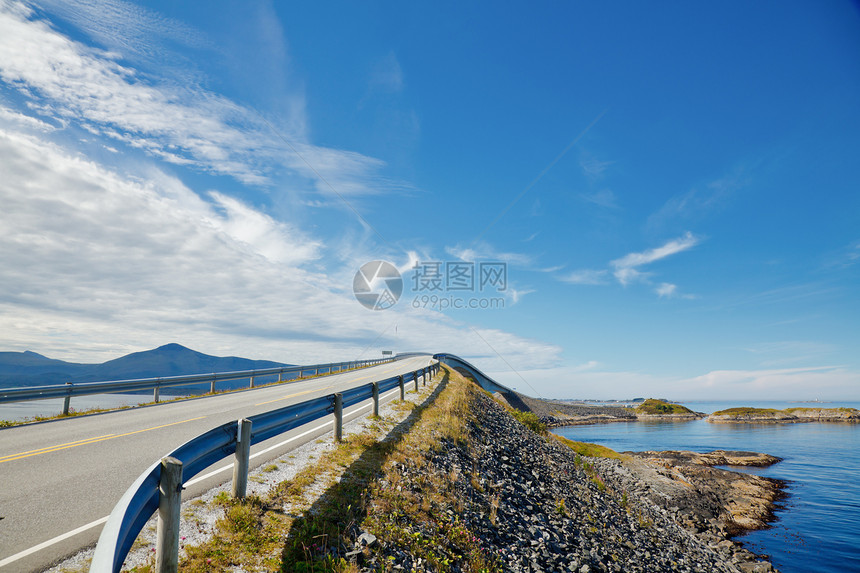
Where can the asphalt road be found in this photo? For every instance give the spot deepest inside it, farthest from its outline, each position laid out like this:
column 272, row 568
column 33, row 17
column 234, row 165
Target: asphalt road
column 59, row 480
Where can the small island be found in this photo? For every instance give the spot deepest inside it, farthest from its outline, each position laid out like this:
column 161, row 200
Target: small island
column 787, row 416
column 654, row 409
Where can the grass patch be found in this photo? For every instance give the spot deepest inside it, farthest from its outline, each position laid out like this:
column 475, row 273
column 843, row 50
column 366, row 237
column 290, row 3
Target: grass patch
column 739, row 412
column 416, row 508
column 529, row 420
column 657, row 407
column 591, row 450
column 824, row 410
column 283, row 530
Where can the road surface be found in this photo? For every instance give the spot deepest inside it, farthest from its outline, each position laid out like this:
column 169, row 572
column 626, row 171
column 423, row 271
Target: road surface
column 59, row 480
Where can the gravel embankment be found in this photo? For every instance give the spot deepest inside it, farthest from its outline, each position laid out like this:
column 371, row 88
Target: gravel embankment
column 556, row 413
column 539, row 507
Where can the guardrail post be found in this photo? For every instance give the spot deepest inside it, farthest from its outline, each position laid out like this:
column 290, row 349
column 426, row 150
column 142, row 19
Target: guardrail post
column 156, row 393
column 402, row 388
column 252, row 382
column 212, row 386
column 169, row 504
column 415, row 380
column 68, row 399
column 338, row 417
column 243, row 454
column 376, row 399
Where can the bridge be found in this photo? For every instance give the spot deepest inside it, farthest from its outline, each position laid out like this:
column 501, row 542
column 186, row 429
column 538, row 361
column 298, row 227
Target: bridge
column 61, row 479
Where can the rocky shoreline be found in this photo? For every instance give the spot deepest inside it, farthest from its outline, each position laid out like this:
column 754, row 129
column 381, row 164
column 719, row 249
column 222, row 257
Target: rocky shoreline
column 533, row 504
column 557, row 413
column 788, row 416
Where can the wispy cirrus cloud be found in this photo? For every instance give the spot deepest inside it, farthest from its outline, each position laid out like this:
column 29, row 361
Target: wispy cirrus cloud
column 482, row 251
column 593, row 167
column 88, row 85
column 700, row 200
column 627, row 268
column 128, row 28
column 592, row 382
column 630, row 268
column 587, row 277
column 603, row 198
column 69, row 81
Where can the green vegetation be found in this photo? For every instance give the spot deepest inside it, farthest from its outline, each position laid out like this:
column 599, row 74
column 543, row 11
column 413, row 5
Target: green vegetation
column 591, row 450
column 416, row 516
column 755, row 412
column 529, row 420
column 656, row 407
column 834, row 410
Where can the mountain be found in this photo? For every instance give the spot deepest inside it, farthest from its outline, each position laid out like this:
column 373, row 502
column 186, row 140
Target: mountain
column 31, row 369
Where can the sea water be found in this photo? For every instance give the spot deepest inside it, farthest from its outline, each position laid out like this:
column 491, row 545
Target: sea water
column 818, row 525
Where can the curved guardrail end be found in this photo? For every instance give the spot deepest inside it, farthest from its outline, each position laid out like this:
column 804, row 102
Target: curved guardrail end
column 126, row 520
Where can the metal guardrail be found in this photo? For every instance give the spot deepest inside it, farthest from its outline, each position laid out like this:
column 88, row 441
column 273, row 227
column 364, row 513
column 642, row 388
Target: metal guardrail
column 483, row 380
column 142, row 498
column 71, row 389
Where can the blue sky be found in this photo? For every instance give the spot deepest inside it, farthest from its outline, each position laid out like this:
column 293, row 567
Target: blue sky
column 673, row 187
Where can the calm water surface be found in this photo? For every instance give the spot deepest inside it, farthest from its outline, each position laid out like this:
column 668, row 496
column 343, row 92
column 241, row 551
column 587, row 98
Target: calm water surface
column 818, row 529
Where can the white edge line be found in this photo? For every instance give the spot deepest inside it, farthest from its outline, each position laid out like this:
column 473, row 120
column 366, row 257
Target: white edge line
column 50, row 542
column 81, row 529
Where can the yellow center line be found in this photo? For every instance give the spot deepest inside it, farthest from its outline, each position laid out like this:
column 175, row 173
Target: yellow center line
column 285, row 397
column 59, row 447
column 52, row 448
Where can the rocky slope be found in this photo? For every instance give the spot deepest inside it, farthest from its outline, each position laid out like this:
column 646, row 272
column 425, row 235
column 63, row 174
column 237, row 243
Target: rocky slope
column 557, row 413
column 530, row 503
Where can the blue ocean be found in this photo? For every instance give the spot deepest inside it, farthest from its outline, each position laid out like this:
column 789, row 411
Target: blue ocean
column 818, row 526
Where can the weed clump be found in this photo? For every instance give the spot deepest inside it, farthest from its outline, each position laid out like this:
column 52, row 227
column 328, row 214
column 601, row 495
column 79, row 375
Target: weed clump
column 530, row 421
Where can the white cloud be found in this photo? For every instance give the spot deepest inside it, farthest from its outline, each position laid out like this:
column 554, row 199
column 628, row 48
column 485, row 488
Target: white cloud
column 516, row 295
column 181, row 124
column 276, row 241
column 481, row 251
column 701, row 200
column 626, row 268
column 785, row 352
column 594, row 168
column 579, row 382
column 124, row 26
column 827, row 382
column 666, row 290
column 587, row 277
column 603, row 198
column 94, row 264
column 8, row 116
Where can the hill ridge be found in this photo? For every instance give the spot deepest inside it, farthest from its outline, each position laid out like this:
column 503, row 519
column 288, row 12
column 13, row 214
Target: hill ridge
column 28, row 368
